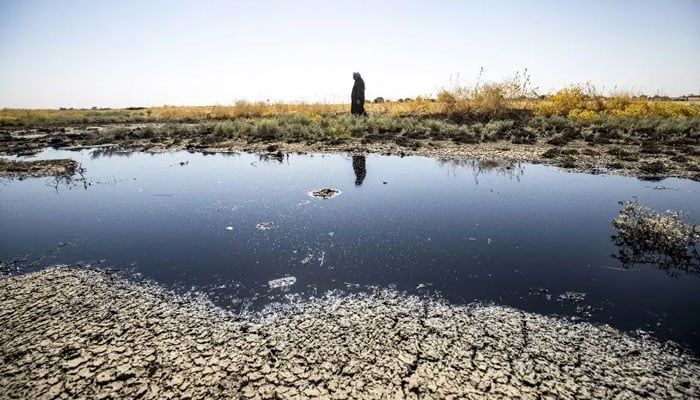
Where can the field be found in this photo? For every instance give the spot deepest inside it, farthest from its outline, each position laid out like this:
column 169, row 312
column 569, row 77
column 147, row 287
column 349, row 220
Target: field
column 491, row 101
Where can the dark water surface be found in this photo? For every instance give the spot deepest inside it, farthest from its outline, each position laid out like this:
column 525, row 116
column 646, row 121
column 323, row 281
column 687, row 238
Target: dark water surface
column 521, row 237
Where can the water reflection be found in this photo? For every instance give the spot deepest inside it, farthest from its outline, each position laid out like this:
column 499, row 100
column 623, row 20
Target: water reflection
column 502, row 167
column 110, row 152
column 270, row 157
column 360, row 168
column 675, row 261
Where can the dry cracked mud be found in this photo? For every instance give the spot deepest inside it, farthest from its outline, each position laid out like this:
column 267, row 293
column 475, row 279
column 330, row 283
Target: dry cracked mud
column 79, row 333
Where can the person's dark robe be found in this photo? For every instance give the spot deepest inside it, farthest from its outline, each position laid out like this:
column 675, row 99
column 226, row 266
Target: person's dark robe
column 358, row 165
column 358, row 97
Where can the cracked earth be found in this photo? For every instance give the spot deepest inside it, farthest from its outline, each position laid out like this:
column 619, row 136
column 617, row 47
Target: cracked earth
column 79, row 333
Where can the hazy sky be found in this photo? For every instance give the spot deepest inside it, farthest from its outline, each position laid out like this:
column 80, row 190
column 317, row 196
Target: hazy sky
column 120, row 53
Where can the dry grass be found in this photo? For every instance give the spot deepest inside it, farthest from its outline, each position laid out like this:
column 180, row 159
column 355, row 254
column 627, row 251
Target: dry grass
column 486, row 99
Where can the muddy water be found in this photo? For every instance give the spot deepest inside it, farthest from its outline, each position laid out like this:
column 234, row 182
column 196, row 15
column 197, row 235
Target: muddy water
column 226, row 225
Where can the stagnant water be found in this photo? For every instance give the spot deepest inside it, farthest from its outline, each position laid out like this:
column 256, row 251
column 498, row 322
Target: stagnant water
column 227, row 224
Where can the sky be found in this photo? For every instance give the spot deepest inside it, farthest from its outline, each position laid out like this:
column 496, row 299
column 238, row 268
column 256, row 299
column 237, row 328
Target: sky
column 75, row 53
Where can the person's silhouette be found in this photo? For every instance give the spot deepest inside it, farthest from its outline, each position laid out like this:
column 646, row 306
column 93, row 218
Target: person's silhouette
column 358, row 165
column 358, row 95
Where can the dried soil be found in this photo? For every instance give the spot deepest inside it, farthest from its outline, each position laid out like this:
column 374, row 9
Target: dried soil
column 77, row 333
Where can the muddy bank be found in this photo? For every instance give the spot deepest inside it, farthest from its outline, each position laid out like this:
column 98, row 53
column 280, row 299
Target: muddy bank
column 36, row 168
column 643, row 157
column 68, row 333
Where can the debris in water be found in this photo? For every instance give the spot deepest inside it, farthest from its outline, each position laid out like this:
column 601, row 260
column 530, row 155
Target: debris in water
column 572, row 296
column 282, row 282
column 264, row 226
column 325, row 193
column 229, row 228
column 661, row 187
column 540, row 292
column 617, row 268
column 307, row 259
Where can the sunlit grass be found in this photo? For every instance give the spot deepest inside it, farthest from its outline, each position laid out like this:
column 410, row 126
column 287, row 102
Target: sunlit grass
column 483, row 100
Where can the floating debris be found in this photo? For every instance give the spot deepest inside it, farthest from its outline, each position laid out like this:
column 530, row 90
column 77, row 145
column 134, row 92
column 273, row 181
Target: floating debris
column 282, row 282
column 617, row 268
column 312, row 256
column 573, row 296
column 325, row 193
column 661, row 187
column 540, row 292
column 229, row 228
column 264, row 226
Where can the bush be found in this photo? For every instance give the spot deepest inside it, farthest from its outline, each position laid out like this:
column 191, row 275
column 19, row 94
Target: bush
column 267, row 130
column 563, row 102
column 491, row 100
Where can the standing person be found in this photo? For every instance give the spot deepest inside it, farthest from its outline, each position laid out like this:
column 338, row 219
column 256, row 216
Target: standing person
column 358, row 95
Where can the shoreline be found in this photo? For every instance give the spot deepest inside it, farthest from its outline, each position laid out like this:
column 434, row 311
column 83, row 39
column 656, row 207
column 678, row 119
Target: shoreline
column 70, row 332
column 577, row 157
column 624, row 147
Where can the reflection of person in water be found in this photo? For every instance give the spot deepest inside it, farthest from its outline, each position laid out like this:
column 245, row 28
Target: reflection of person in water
column 358, row 165
column 358, row 95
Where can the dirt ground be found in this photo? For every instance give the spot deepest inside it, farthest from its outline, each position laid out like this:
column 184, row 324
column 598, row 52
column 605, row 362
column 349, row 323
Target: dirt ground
column 651, row 163
column 22, row 168
column 79, row 333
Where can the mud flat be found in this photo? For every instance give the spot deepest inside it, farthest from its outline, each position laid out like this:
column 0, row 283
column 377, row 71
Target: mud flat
column 77, row 333
column 20, row 168
column 638, row 156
